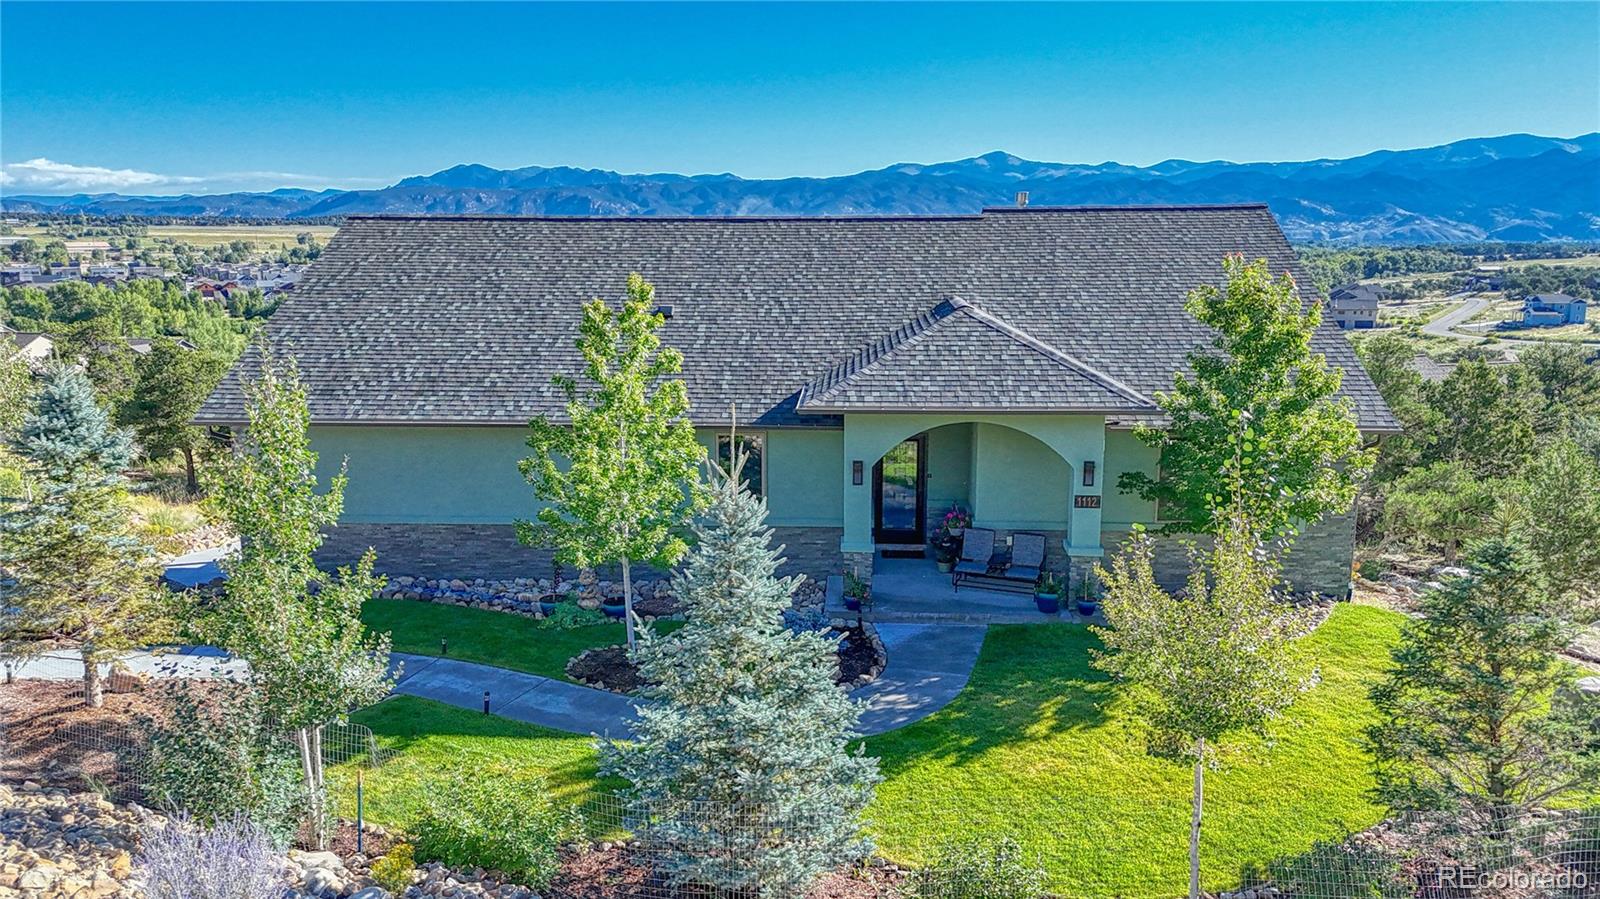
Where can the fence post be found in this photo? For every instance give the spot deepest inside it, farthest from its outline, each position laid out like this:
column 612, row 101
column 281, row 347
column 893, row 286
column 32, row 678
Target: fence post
column 360, row 823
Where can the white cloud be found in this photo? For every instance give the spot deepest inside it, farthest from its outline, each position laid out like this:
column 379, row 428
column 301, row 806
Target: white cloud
column 47, row 175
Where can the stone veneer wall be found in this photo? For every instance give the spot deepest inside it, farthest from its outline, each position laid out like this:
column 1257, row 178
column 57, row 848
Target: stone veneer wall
column 491, row 551
column 1318, row 562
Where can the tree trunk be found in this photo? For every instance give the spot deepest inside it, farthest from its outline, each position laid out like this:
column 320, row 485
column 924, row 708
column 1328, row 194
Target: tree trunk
column 188, row 470
column 1194, row 819
column 1450, row 551
column 627, row 604
column 309, row 742
column 93, row 688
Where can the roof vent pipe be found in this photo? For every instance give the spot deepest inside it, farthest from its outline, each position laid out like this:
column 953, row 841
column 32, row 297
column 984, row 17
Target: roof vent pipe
column 1022, row 199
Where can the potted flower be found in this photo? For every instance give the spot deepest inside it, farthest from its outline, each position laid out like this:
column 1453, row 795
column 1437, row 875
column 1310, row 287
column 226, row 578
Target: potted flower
column 856, row 592
column 956, row 521
column 1047, row 593
column 944, row 554
column 1088, row 595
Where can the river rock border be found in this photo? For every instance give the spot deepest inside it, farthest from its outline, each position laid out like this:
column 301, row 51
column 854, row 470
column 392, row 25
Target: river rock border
column 520, row 596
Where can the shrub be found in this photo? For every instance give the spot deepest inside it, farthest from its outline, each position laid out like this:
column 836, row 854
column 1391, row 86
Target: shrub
column 216, row 760
column 232, row 859
column 980, row 868
column 393, row 871
column 1335, row 870
column 501, row 819
column 569, row 616
column 1370, row 570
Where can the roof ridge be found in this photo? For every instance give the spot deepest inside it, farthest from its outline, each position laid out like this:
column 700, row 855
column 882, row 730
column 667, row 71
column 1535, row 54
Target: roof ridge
column 879, row 217
column 1059, row 355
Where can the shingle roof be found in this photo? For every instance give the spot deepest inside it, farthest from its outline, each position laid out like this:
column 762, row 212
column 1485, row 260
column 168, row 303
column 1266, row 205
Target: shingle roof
column 958, row 358
column 463, row 320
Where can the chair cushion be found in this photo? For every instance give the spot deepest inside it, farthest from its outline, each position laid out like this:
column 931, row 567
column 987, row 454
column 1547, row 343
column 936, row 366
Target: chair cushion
column 1021, row 573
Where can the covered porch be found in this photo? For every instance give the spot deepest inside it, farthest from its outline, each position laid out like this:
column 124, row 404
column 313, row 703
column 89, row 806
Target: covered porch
column 913, row 590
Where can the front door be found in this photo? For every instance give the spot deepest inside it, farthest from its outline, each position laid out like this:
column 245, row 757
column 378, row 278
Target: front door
column 899, row 493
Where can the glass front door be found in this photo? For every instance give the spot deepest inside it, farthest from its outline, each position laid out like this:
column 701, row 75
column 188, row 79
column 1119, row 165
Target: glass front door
column 899, row 492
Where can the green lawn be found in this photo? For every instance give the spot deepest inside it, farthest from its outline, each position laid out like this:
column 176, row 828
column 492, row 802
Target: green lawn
column 494, row 638
column 1038, row 745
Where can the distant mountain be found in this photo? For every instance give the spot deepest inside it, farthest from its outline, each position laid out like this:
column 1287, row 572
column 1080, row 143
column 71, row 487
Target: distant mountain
column 1514, row 187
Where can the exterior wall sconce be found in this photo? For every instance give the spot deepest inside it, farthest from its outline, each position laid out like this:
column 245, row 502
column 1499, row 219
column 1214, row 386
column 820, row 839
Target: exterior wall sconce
column 1088, row 474
column 856, row 475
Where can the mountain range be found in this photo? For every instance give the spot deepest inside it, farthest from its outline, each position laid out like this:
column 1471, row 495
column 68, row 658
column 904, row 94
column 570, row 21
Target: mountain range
column 1517, row 187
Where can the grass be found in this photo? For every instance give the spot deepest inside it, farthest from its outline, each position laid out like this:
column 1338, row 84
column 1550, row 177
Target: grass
column 493, row 638
column 208, row 235
column 1039, row 745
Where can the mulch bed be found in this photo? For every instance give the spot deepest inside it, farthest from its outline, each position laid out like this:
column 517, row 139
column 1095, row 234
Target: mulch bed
column 616, row 874
column 609, row 668
column 657, row 607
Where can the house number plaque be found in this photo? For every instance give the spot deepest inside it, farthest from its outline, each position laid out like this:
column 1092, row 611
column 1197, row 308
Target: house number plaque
column 1086, row 501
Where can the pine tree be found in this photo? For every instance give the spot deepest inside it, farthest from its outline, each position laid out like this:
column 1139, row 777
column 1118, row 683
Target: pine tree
column 1466, row 716
column 741, row 768
column 172, row 384
column 82, row 577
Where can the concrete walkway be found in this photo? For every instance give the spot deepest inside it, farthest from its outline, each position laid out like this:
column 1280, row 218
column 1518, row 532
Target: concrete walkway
column 928, row 665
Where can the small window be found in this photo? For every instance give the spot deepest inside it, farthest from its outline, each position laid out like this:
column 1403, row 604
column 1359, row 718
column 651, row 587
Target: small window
column 755, row 468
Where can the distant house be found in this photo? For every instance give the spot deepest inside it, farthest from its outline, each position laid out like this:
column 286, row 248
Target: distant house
column 19, row 274
column 1487, row 277
column 141, row 345
column 1552, row 310
column 77, row 248
column 1354, row 306
column 1431, row 369
column 37, row 348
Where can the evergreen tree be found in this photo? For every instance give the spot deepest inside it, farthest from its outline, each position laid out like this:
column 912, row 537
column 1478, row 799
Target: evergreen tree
column 614, row 480
column 741, row 765
column 82, row 577
column 172, row 384
column 1259, row 381
column 1466, row 715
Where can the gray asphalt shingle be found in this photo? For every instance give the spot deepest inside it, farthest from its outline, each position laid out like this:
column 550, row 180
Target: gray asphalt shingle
column 436, row 320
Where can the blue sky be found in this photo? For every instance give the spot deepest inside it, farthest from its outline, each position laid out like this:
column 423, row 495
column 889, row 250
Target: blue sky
column 192, row 97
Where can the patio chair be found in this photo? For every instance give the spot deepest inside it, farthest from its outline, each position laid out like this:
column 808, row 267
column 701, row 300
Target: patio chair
column 1027, row 558
column 977, row 549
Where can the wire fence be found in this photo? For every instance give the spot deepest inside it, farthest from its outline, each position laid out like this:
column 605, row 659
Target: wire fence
column 629, row 849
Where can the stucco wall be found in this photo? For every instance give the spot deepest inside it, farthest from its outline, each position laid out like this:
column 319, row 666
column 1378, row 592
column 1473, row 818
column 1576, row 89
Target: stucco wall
column 1018, row 483
column 433, row 475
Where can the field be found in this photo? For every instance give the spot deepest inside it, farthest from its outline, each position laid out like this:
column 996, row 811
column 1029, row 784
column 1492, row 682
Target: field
column 262, row 236
column 1039, row 745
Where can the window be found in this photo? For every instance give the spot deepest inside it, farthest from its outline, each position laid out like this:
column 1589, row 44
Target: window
column 755, row 468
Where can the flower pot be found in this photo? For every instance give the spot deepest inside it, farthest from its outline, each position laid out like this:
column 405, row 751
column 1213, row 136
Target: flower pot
column 945, row 565
column 1088, row 608
column 1048, row 603
column 853, row 603
column 548, row 604
column 615, row 611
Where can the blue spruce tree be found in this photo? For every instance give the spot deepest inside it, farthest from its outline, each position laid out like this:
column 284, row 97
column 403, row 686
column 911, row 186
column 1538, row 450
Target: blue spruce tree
column 80, row 576
column 742, row 774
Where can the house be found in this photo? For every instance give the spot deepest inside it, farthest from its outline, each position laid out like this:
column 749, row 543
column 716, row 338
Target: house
column 1553, row 310
column 1487, row 277
column 1354, row 306
column 36, row 348
column 19, row 273
column 998, row 361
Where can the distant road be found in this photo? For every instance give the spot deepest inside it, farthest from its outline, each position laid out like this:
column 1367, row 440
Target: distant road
column 1444, row 325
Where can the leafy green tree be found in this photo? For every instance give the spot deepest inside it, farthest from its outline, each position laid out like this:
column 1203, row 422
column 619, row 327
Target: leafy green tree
column 16, row 384
column 1202, row 666
column 311, row 658
column 1466, row 714
column 81, row 575
column 172, row 384
column 1387, row 359
column 1259, row 380
column 1566, row 375
column 1444, row 504
column 742, row 763
column 618, row 481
